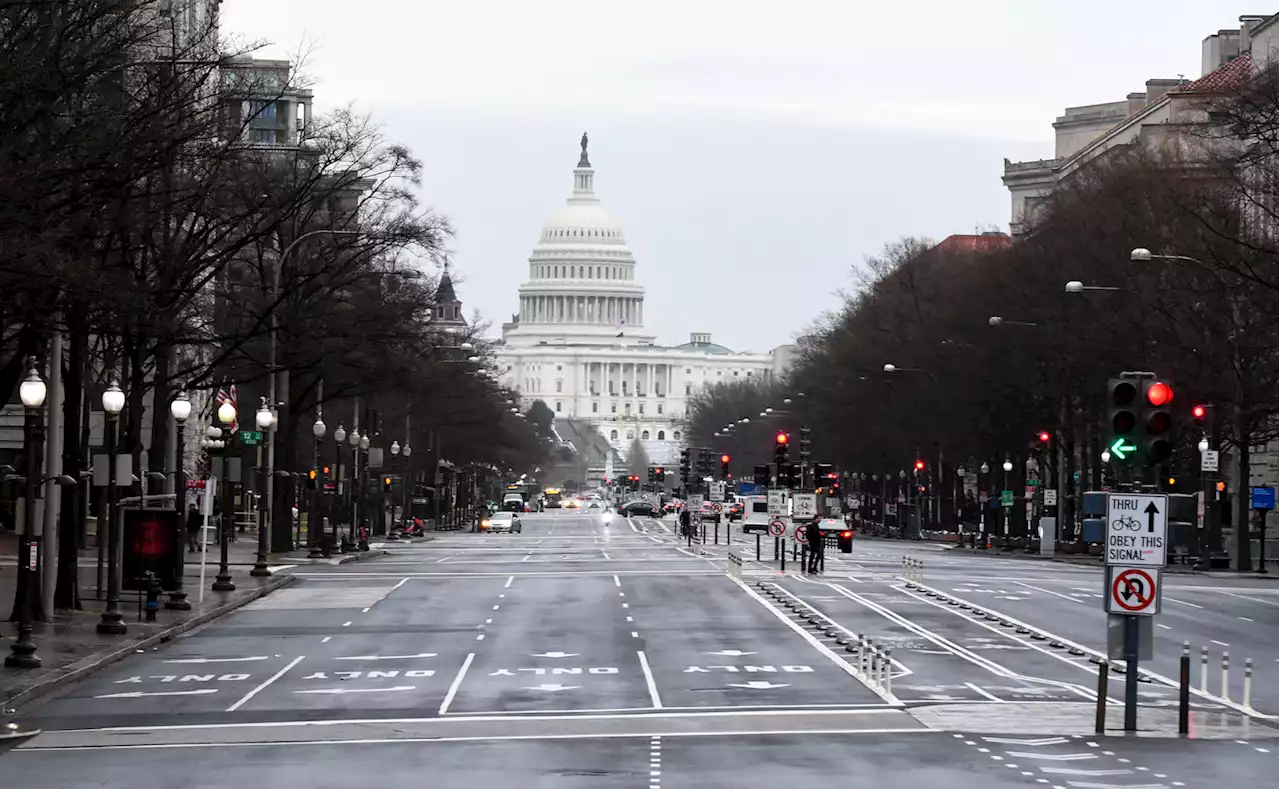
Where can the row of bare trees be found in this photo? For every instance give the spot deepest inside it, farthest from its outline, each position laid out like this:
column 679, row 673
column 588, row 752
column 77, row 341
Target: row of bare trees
column 151, row 232
column 962, row 390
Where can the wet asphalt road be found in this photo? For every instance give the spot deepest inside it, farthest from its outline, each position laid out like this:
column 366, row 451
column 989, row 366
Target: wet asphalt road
column 594, row 654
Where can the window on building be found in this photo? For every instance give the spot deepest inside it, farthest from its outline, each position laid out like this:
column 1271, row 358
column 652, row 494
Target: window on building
column 688, row 389
column 559, row 368
column 557, row 406
column 631, row 434
column 676, row 436
column 687, row 371
column 613, row 408
column 662, row 435
column 644, row 436
column 559, row 386
column 642, row 408
column 659, row 409
column 735, row 373
column 613, row 435
column 595, row 408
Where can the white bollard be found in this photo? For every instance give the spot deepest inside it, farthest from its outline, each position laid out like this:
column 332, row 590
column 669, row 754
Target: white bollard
column 1226, row 675
column 920, row 571
column 1248, row 683
column 887, row 670
column 862, row 648
column 874, row 672
column 1204, row 669
column 869, row 649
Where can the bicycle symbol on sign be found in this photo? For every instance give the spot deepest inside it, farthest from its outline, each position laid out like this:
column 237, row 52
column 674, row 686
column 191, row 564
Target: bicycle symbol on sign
column 1126, row 522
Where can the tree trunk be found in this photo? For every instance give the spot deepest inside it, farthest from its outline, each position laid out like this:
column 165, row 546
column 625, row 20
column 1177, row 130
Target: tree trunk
column 66, row 595
column 1240, row 517
column 159, row 455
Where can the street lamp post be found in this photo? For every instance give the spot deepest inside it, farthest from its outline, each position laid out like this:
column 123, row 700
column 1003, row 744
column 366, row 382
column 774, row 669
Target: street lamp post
column 112, row 622
column 349, row 545
column 339, row 436
column 222, row 581
column 179, row 409
column 22, row 653
column 314, row 523
column 265, row 419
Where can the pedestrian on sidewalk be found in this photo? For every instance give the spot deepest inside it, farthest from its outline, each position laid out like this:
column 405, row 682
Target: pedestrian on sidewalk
column 194, row 522
column 684, row 522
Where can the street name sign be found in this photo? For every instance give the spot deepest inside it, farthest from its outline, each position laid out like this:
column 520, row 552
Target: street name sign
column 1137, row 527
column 777, row 502
column 1133, row 590
column 1006, row 498
column 804, row 506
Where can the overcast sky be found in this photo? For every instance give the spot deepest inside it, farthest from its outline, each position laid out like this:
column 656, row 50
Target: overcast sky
column 752, row 149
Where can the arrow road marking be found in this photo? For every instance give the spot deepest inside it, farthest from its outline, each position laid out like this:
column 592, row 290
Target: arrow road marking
column 388, row 657
column 554, row 688
column 339, row 691
column 759, row 685
column 218, row 659
column 1055, row 757
column 1089, row 773
column 137, row 694
column 1032, row 743
column 731, row 653
column 555, row 654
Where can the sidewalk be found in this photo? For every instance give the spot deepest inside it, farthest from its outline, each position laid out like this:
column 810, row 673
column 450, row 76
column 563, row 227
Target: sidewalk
column 70, row 646
column 1096, row 561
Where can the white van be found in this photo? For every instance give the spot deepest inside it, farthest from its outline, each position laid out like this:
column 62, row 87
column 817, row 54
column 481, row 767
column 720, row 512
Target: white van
column 755, row 514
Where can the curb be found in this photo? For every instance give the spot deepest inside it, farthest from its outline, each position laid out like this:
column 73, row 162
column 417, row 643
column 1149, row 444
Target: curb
column 58, row 682
column 1096, row 561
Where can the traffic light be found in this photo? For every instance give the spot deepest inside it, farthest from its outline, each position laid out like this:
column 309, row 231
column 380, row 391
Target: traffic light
column 1044, row 437
column 724, row 465
column 919, row 465
column 386, row 484
column 1157, row 421
column 786, row 475
column 324, row 474
column 780, row 442
column 804, row 443
column 659, row 475
column 1122, row 405
column 311, row 479
column 686, row 470
column 1198, row 414
column 760, row 475
column 823, row 473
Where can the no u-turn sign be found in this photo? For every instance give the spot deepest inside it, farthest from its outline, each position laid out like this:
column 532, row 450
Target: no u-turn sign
column 1133, row 590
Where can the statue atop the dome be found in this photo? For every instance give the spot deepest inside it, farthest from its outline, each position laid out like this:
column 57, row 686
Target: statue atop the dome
column 582, row 160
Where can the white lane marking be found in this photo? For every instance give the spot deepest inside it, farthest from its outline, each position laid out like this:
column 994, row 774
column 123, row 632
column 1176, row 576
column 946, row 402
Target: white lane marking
column 648, row 680
column 218, row 660
column 605, row 554
column 1182, row 602
column 816, row 644
column 477, row 738
column 137, row 694
column 445, row 559
column 488, row 621
column 495, row 606
column 457, row 683
column 622, row 594
column 982, row 692
column 325, row 640
column 388, row 657
column 527, row 557
column 480, row 637
column 1247, row 597
column 364, row 610
column 270, row 679
column 507, row 585
column 634, row 634
column 1244, row 619
column 403, row 581
column 626, row 605
column 1165, row 627
column 617, row 582
column 629, row 619
column 1050, row 591
column 501, row 596
column 633, row 526
column 346, row 624
column 1220, row 643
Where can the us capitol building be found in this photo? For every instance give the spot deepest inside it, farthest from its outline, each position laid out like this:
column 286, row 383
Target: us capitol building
column 580, row 345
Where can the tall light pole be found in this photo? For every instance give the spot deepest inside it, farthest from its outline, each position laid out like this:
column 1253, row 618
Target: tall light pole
column 339, row 436
column 180, row 410
column 316, row 524
column 22, row 653
column 112, row 621
column 222, row 581
column 265, row 420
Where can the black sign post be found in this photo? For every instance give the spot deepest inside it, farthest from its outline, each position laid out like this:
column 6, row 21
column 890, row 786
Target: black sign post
column 151, row 543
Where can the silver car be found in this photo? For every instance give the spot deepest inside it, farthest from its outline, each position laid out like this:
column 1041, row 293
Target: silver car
column 500, row 522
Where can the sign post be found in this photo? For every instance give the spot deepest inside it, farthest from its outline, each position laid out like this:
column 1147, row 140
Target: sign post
column 1136, row 549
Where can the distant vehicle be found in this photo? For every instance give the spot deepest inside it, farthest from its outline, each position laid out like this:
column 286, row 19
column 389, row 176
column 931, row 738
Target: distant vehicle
column 552, row 498
column 500, row 522
column 594, row 504
column 840, row 531
column 513, row 502
column 734, row 511
column 644, row 509
column 755, row 514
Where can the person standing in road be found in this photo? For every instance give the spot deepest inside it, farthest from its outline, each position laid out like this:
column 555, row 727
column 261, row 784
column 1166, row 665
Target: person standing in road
column 813, row 539
column 684, row 521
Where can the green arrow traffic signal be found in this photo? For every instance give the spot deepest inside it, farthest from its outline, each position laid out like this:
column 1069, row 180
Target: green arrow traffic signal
column 1122, row 447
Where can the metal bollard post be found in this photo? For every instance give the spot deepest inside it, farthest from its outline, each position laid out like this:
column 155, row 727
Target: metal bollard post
column 1226, row 675
column 1248, row 683
column 716, row 530
column 757, row 546
column 1184, row 689
column 1204, row 669
column 1100, row 709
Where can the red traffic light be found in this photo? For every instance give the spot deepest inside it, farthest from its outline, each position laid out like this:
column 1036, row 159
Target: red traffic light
column 1198, row 412
column 312, row 474
column 724, row 458
column 1159, row 394
column 919, row 465
column 782, row 438
column 1044, row 437
column 658, row 471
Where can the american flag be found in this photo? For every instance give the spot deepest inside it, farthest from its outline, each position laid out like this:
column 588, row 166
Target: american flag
column 225, row 395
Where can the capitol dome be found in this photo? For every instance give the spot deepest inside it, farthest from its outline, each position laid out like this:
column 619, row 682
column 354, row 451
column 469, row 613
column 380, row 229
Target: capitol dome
column 582, row 281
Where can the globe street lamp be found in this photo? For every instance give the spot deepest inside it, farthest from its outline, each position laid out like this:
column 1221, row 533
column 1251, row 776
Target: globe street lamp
column 339, row 436
column 112, row 621
column 315, row 524
column 222, row 581
column 1203, row 446
column 23, row 651
column 180, row 410
column 395, row 448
